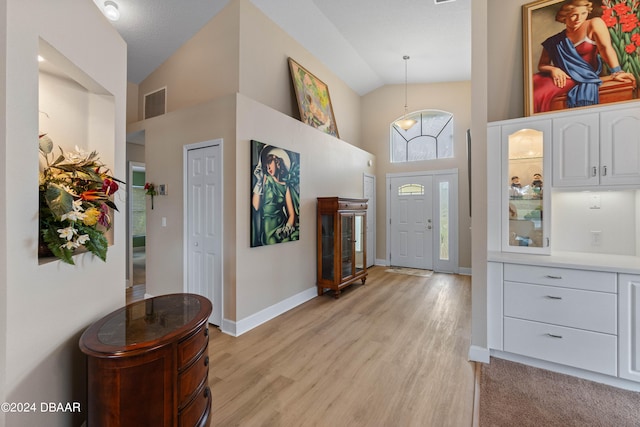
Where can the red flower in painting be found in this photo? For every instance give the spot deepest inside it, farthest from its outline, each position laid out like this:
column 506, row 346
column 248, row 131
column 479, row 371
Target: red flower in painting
column 621, row 9
column 629, row 22
column 636, row 39
column 608, row 18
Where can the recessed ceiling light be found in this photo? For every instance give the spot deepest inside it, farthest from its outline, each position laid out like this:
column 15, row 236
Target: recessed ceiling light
column 40, row 58
column 111, row 10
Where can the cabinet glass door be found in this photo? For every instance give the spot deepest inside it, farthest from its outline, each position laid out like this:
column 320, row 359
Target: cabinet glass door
column 525, row 212
column 359, row 244
column 328, row 250
column 347, row 236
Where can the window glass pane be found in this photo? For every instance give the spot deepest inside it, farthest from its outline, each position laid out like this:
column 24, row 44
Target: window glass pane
column 421, row 148
column 444, row 220
column 445, row 142
column 430, row 138
column 398, row 147
column 433, row 122
column 411, row 190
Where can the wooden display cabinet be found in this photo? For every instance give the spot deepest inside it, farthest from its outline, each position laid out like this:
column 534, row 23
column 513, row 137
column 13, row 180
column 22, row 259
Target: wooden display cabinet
column 342, row 245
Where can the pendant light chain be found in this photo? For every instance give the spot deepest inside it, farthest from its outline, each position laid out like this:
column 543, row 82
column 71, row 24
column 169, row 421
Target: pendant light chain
column 405, row 123
column 406, row 106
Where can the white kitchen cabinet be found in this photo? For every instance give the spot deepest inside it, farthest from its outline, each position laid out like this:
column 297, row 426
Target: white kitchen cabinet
column 620, row 147
column 629, row 326
column 561, row 315
column 576, row 150
column 597, row 149
column 519, row 201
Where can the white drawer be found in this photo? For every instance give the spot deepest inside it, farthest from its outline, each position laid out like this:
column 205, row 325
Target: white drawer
column 593, row 311
column 578, row 279
column 592, row 351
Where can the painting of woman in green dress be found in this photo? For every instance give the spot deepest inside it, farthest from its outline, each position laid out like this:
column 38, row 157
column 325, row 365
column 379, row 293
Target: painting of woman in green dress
column 275, row 196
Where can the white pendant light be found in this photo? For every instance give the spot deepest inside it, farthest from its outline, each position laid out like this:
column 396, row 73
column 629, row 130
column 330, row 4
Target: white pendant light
column 405, row 123
column 111, row 10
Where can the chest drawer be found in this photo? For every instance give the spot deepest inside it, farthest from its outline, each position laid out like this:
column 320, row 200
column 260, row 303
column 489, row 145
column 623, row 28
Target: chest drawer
column 574, row 347
column 192, row 378
column 197, row 412
column 565, row 277
column 192, row 346
column 593, row 311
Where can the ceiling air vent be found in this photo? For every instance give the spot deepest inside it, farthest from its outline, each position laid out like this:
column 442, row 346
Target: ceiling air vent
column 443, row 1
column 155, row 103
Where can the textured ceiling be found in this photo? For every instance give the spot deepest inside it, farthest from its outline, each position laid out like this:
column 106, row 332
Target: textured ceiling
column 361, row 41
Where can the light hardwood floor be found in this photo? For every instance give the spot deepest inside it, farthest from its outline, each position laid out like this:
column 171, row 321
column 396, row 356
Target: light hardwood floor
column 390, row 353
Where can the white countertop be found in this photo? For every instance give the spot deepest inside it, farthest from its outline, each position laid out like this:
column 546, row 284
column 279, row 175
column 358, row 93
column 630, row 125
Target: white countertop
column 579, row 260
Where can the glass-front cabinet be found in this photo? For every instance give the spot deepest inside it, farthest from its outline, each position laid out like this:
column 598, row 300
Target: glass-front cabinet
column 342, row 257
column 525, row 201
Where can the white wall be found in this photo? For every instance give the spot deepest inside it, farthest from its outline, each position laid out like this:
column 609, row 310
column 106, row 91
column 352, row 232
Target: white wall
column 48, row 306
column 328, row 167
column 479, row 113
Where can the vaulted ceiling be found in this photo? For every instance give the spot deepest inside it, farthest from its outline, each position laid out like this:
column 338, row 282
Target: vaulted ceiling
column 361, row 41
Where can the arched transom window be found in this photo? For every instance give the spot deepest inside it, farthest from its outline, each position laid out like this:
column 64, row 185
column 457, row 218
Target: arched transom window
column 430, row 138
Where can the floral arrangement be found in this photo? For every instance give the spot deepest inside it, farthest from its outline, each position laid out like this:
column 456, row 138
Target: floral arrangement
column 76, row 195
column 150, row 191
column 622, row 19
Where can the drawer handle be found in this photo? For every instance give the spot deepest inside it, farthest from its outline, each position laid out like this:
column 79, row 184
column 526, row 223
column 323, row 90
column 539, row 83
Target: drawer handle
column 206, row 361
column 555, row 336
column 206, row 332
column 548, row 276
column 553, row 297
column 206, row 392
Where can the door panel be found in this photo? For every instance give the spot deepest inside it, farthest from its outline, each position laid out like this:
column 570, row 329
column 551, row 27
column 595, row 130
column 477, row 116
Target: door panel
column 411, row 222
column 204, row 242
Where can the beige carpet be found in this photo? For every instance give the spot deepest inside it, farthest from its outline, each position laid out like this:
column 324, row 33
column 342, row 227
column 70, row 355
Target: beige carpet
column 410, row 271
column 512, row 394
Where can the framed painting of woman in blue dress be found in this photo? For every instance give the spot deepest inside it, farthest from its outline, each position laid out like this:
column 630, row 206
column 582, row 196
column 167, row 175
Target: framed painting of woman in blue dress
column 580, row 53
column 275, row 195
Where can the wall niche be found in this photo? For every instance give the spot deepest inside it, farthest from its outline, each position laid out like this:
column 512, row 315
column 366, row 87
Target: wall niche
column 75, row 111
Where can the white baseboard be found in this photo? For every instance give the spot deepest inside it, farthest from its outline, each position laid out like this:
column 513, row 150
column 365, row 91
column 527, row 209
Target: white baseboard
column 479, row 354
column 381, row 262
column 568, row 370
column 465, row 271
column 244, row 325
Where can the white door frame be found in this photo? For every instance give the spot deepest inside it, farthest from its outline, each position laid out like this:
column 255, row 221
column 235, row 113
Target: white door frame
column 433, row 173
column 218, row 302
column 131, row 166
column 371, row 257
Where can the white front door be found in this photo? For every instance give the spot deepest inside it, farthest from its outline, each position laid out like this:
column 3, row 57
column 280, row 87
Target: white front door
column 411, row 221
column 369, row 193
column 203, row 216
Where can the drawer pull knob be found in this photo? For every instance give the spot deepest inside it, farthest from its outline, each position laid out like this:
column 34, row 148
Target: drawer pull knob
column 206, row 332
column 553, row 297
column 555, row 336
column 548, row 276
column 206, row 361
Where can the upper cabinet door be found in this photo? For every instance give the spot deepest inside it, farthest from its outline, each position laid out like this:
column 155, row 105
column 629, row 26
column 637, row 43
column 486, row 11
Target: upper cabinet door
column 525, row 200
column 620, row 147
column 576, row 160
